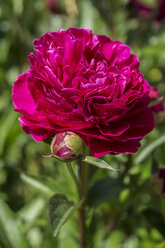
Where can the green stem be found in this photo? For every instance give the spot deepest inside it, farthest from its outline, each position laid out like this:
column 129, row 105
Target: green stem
column 128, row 165
column 83, row 175
column 82, row 187
column 75, row 179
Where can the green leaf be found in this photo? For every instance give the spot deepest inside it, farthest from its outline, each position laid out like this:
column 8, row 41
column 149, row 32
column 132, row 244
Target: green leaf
column 9, row 229
column 104, row 190
column 155, row 218
column 98, row 163
column 43, row 184
column 60, row 209
column 149, row 149
column 5, row 126
column 32, row 210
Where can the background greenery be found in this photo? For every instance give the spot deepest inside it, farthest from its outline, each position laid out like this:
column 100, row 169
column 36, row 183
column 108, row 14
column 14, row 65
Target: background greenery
column 123, row 210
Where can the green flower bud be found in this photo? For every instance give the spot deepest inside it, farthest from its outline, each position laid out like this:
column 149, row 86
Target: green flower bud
column 66, row 146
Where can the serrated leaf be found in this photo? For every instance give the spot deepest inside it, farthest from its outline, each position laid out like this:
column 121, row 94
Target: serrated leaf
column 100, row 163
column 9, row 229
column 104, row 190
column 60, row 209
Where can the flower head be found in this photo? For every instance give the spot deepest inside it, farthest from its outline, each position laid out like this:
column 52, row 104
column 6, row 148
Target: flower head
column 87, row 84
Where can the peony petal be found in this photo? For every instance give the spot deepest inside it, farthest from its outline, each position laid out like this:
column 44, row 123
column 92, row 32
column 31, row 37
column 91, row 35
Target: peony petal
column 79, row 33
column 21, row 95
column 158, row 107
column 114, row 128
column 114, row 51
column 73, row 52
column 100, row 148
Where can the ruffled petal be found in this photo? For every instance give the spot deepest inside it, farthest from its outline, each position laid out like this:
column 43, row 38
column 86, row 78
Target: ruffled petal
column 21, row 96
column 100, row 148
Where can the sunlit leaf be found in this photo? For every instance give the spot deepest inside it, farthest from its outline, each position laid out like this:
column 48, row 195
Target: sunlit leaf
column 32, row 210
column 45, row 185
column 9, row 229
column 149, row 149
column 100, row 163
column 5, row 126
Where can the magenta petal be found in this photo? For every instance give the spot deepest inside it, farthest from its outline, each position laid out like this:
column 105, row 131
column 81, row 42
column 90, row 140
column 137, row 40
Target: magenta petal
column 158, row 107
column 100, row 148
column 73, row 52
column 133, row 61
column 115, row 50
column 142, row 118
column 21, row 96
column 115, row 129
column 154, row 92
column 80, row 34
column 93, row 132
column 38, row 133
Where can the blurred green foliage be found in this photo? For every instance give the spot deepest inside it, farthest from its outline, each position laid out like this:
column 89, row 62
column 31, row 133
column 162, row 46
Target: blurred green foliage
column 124, row 211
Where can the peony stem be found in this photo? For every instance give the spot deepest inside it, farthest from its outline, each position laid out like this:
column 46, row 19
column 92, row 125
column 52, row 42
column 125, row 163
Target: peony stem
column 75, row 179
column 82, row 189
column 83, row 175
column 82, row 226
column 83, row 172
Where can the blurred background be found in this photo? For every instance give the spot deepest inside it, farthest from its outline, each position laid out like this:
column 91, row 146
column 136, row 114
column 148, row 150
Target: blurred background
column 127, row 208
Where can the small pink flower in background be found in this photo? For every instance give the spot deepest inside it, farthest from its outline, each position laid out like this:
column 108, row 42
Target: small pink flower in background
column 142, row 7
column 146, row 11
column 54, row 6
column 154, row 92
column 87, row 84
column 162, row 177
column 158, row 106
column 161, row 11
column 158, row 182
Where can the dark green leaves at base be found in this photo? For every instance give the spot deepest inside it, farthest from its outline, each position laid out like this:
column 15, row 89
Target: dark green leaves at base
column 104, row 190
column 155, row 219
column 100, row 163
column 60, row 209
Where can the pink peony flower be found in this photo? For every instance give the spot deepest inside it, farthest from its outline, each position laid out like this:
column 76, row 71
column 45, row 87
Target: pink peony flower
column 87, row 84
